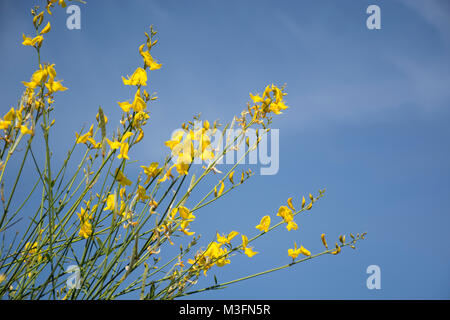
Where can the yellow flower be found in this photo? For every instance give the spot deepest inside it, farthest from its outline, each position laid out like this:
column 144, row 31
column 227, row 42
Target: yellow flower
column 139, row 119
column 304, row 251
column 148, row 59
column 2, row 278
column 51, row 71
column 249, row 252
column 31, row 248
column 293, row 253
column 256, row 98
column 276, row 107
column 291, row 225
column 10, row 115
column 207, row 154
column 185, row 213
column 126, row 136
column 167, row 175
column 24, row 130
column 122, row 179
column 54, row 86
column 85, row 137
column 122, row 209
column 151, row 171
column 110, row 203
column 273, row 104
column 125, row 106
column 62, row 3
column 46, row 29
column 184, row 229
column 222, row 261
column 176, row 139
column 264, row 224
column 123, row 154
column 50, row 3
column 27, row 41
column 138, row 78
column 138, row 103
column 142, row 194
column 38, row 78
column 244, row 241
column 182, row 168
column 288, row 217
column 95, row 145
column 213, row 255
column 231, row 235
column 213, row 250
column 285, row 213
column 85, row 230
column 202, row 137
column 113, row 144
column 183, row 163
column 226, row 239
column 4, row 124
column 86, row 226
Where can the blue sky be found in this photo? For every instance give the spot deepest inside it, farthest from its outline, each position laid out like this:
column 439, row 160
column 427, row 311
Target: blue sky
column 368, row 120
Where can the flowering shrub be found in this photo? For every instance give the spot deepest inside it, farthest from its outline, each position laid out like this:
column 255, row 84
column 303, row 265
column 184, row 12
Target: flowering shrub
column 110, row 229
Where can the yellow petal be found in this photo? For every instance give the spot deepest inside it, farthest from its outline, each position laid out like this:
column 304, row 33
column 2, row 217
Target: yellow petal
column 46, row 29
column 231, row 177
column 222, row 186
column 289, row 201
column 324, row 241
column 249, row 252
column 125, row 106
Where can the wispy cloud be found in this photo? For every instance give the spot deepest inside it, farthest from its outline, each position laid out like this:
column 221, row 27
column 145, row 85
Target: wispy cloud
column 398, row 75
column 435, row 13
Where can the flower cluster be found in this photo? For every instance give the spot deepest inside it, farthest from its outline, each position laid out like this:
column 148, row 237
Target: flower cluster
column 123, row 223
column 85, row 216
column 215, row 254
column 188, row 144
